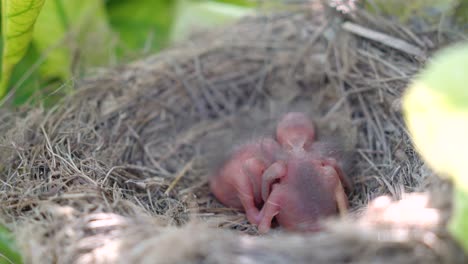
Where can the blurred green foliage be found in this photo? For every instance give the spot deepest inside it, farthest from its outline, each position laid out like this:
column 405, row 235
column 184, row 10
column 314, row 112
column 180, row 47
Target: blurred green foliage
column 73, row 36
column 18, row 18
column 142, row 27
column 8, row 253
column 436, row 113
column 461, row 14
column 431, row 11
column 197, row 15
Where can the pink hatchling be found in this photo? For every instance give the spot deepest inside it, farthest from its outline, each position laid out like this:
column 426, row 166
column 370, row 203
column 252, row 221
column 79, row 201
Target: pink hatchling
column 304, row 187
column 293, row 179
column 237, row 183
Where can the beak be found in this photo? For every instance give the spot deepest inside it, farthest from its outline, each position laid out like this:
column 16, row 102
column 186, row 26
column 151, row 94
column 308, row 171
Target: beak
column 296, row 143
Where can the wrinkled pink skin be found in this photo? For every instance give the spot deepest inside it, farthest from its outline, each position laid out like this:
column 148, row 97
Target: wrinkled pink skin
column 303, row 188
column 237, row 183
column 290, row 181
column 306, row 192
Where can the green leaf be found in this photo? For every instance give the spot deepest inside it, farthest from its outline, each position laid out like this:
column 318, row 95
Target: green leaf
column 70, row 32
column 248, row 3
column 446, row 75
column 436, row 112
column 141, row 25
column 429, row 10
column 461, row 14
column 8, row 252
column 18, row 18
column 458, row 225
column 25, row 77
column 191, row 16
column 50, row 30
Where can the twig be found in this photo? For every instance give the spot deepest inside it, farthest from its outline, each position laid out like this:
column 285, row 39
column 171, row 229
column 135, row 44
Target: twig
column 385, row 39
column 382, row 61
column 179, row 176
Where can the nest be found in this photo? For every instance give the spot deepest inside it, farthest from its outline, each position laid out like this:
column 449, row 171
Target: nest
column 118, row 171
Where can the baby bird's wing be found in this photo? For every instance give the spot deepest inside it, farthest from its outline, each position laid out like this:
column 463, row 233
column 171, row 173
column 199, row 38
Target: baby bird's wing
column 337, row 156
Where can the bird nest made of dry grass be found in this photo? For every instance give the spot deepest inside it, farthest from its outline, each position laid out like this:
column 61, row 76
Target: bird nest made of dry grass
column 117, row 172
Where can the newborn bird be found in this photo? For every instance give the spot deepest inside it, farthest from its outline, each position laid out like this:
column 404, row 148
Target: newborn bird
column 293, row 179
column 237, row 183
column 307, row 185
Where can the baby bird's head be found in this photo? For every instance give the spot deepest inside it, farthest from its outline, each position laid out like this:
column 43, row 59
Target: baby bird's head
column 295, row 132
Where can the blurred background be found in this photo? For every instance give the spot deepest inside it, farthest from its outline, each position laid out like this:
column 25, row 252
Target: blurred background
column 73, row 37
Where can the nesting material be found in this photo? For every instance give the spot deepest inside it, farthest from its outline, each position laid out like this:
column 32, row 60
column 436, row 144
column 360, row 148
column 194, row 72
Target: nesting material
column 117, row 172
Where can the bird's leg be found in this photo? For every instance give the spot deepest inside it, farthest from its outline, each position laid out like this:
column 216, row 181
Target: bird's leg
column 251, row 211
column 276, row 171
column 334, row 179
column 254, row 169
column 270, row 209
column 341, row 199
column 344, row 180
